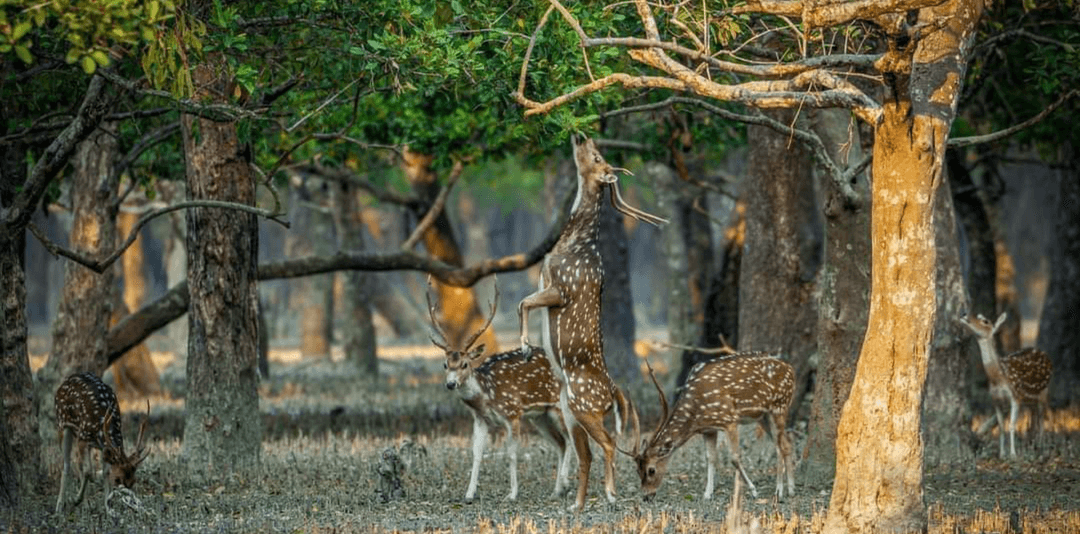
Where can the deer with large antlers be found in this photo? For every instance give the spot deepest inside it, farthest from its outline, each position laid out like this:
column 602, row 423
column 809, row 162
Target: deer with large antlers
column 87, row 413
column 571, row 279
column 499, row 391
column 1017, row 379
column 719, row 395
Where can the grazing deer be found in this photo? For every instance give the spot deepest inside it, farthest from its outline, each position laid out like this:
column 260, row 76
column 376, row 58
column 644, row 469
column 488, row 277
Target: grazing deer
column 87, row 411
column 1020, row 378
column 571, row 279
column 719, row 395
column 499, row 391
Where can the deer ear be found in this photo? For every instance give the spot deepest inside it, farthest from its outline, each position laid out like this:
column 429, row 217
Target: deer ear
column 477, row 352
column 1000, row 319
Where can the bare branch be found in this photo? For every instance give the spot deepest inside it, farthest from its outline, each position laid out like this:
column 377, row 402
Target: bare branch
column 100, row 266
column 831, row 13
column 436, row 207
column 957, row 142
column 519, row 95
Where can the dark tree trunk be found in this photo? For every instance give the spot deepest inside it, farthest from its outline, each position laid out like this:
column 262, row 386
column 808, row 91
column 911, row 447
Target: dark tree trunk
column 777, row 308
column 86, row 303
column 222, row 428
column 617, row 304
column 357, row 326
column 843, row 302
column 946, row 410
column 1058, row 332
column 312, row 235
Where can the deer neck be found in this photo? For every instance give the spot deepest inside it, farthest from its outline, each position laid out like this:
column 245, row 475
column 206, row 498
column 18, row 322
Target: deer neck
column 584, row 224
column 676, row 428
column 990, row 359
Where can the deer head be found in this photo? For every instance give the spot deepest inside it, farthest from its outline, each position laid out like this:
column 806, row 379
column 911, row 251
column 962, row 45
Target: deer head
column 461, row 361
column 655, row 451
column 122, row 466
column 981, row 326
column 593, row 168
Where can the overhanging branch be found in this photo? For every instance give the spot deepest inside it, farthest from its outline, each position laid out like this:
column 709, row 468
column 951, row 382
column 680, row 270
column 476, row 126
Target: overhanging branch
column 1001, row 134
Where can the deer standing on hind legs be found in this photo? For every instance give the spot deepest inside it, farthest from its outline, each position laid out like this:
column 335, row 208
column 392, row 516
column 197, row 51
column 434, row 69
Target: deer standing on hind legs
column 499, row 391
column 1020, row 378
column 720, row 394
column 87, row 412
column 571, row 279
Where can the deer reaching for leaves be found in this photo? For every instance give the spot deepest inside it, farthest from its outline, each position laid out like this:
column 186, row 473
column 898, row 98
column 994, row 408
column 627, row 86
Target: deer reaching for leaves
column 499, row 391
column 87, row 412
column 720, row 394
column 1020, row 378
column 571, row 279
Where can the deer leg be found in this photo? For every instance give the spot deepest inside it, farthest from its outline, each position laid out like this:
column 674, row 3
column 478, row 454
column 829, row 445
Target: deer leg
column 545, row 298
column 584, row 454
column 553, row 428
column 1014, row 413
column 479, row 441
column 594, row 427
column 1001, row 431
column 513, row 428
column 84, row 451
column 710, row 462
column 732, row 433
column 775, row 429
column 65, row 448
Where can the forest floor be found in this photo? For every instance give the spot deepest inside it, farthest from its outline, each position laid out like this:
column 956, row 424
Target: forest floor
column 326, row 431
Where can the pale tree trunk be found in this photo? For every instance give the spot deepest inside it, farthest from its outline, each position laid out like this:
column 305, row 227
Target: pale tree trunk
column 312, row 235
column 86, row 302
column 175, row 257
column 222, row 427
column 459, row 311
column 671, row 205
column 777, row 308
column 879, row 448
column 1058, row 332
column 357, row 326
column 946, row 409
column 843, row 302
column 134, row 372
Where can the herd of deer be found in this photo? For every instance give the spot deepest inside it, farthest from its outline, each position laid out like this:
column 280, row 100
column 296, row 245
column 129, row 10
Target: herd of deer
column 563, row 385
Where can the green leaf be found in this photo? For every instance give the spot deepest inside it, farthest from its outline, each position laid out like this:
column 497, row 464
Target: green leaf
column 100, row 57
column 88, row 65
column 20, row 30
column 376, row 44
column 24, row 54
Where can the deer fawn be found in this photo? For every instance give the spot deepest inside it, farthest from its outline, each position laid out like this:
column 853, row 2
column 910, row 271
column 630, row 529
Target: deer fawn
column 1020, row 378
column 571, row 278
column 499, row 391
column 86, row 410
column 719, row 395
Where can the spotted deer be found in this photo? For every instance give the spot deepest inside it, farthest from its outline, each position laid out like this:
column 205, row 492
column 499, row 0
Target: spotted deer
column 571, row 279
column 720, row 394
column 500, row 391
column 87, row 412
column 1017, row 379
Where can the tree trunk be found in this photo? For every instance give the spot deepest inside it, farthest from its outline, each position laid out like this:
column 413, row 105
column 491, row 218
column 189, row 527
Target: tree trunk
column 777, row 308
column 879, row 449
column 460, row 314
column 134, row 372
column 843, row 301
column 946, row 410
column 616, row 302
column 312, row 235
column 222, row 427
column 175, row 258
column 86, row 303
column 1058, row 334
column 359, row 331
column 671, row 204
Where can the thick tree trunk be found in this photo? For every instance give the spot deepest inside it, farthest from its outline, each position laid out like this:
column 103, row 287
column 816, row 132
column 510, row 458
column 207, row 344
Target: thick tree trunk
column 21, row 438
column 357, row 326
column 879, row 448
column 222, row 428
column 843, row 301
column 777, row 308
column 135, row 373
column 946, row 410
column 616, row 302
column 671, row 204
column 1058, row 332
column 86, row 303
column 175, row 258
column 312, row 235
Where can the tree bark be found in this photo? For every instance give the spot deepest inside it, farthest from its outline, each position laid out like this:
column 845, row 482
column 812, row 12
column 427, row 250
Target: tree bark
column 134, row 372
column 1058, row 334
column 21, row 439
column 222, row 428
column 359, row 331
column 879, row 450
column 843, row 301
column 459, row 312
column 616, row 302
column 86, row 303
column 312, row 235
column 777, row 308
column 672, row 205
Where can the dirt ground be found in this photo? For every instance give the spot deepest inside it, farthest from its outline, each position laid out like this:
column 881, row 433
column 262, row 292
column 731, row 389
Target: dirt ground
column 327, row 432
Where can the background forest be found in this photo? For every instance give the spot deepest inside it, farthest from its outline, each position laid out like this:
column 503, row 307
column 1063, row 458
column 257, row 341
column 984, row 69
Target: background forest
column 239, row 210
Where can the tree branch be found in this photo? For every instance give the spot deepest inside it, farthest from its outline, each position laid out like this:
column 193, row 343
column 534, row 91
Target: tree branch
column 831, row 13
column 149, row 140
column 436, row 207
column 957, row 142
column 99, row 266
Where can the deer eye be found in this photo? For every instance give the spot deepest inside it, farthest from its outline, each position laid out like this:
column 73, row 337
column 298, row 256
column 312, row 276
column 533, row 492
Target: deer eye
column 652, row 471
column 445, row 366
column 465, row 365
column 597, row 158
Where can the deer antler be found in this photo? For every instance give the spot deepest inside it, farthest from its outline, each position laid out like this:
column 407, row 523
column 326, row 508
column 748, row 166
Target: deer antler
column 619, row 204
column 494, row 302
column 435, row 321
column 110, row 449
column 141, row 453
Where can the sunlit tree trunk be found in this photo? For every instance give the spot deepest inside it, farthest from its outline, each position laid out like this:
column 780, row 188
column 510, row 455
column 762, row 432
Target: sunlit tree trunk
column 135, row 373
column 86, row 302
column 879, row 448
column 222, row 428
